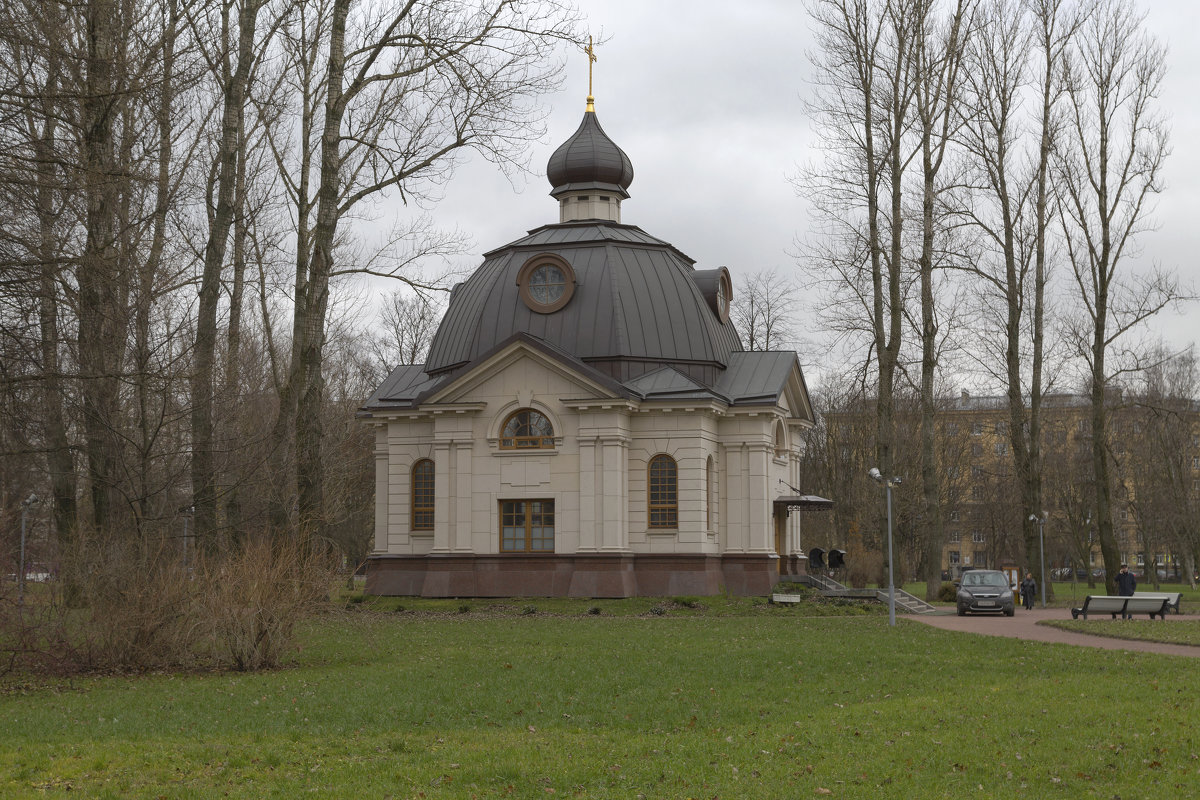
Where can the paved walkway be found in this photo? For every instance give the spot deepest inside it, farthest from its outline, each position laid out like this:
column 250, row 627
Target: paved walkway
column 1024, row 626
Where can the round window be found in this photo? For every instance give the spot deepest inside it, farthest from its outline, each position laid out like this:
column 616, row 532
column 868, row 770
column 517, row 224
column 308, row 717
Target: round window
column 546, row 282
column 724, row 295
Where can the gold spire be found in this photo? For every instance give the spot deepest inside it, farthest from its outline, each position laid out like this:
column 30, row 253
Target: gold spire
column 591, row 54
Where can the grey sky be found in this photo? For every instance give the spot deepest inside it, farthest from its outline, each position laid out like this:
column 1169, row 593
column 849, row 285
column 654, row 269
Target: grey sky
column 705, row 98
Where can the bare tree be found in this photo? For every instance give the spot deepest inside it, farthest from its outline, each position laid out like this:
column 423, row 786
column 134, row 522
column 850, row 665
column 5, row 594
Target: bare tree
column 938, row 53
column 862, row 105
column 409, row 321
column 34, row 187
column 405, row 89
column 233, row 66
column 1158, row 463
column 763, row 309
column 1019, row 48
column 1107, row 169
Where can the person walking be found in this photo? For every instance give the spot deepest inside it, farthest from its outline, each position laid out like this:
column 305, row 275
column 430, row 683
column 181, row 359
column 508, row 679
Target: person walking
column 1028, row 591
column 1126, row 585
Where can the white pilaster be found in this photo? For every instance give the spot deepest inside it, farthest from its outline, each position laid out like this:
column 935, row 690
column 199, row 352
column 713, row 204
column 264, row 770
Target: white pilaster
column 464, row 479
column 613, row 494
column 382, row 488
column 591, row 502
column 444, row 497
column 759, row 524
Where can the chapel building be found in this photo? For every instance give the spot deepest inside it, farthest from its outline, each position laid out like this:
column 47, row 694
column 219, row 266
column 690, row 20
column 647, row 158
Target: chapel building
column 587, row 423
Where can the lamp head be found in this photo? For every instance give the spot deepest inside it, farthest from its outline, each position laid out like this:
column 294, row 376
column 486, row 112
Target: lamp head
column 896, row 481
column 875, row 475
column 28, row 501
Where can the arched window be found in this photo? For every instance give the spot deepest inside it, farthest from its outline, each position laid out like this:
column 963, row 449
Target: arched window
column 663, row 480
column 527, row 429
column 781, row 440
column 421, row 503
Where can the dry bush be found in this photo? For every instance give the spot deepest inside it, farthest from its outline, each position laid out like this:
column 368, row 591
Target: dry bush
column 137, row 608
column 32, row 634
column 249, row 603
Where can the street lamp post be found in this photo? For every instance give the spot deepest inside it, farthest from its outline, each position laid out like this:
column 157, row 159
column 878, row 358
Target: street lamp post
column 1041, row 523
column 888, row 483
column 25, row 504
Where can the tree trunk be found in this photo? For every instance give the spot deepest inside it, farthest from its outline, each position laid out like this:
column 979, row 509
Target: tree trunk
column 97, row 275
column 204, row 479
column 232, row 394
column 59, row 459
column 310, row 486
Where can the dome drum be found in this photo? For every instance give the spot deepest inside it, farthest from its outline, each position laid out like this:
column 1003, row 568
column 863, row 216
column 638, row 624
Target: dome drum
column 589, row 174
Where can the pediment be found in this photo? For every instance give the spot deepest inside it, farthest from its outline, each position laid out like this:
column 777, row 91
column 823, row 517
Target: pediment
column 521, row 363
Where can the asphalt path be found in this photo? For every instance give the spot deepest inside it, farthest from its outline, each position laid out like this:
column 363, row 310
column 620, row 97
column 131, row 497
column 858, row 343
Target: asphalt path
column 1024, row 626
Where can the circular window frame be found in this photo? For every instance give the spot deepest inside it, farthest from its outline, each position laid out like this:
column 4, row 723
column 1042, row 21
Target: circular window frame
column 723, row 299
column 526, row 274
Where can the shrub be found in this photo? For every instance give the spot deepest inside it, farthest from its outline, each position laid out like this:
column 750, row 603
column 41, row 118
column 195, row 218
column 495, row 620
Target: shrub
column 948, row 593
column 134, row 606
column 248, row 604
column 866, row 567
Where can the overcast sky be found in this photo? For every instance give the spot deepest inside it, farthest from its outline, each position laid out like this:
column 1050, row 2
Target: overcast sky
column 706, row 99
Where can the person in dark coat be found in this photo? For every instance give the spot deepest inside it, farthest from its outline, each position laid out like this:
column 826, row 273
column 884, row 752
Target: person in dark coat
column 1028, row 591
column 1126, row 585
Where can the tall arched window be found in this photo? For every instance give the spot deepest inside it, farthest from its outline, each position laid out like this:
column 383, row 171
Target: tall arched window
column 663, row 492
column 781, row 440
column 527, row 429
column 421, row 503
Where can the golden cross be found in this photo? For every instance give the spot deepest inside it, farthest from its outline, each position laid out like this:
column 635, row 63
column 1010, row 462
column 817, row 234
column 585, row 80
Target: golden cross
column 591, row 54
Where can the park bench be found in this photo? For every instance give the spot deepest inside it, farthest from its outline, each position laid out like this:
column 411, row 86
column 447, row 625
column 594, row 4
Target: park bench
column 1172, row 598
column 1107, row 604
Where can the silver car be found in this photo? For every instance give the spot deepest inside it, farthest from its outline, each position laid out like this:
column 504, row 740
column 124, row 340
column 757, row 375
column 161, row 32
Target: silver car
column 985, row 590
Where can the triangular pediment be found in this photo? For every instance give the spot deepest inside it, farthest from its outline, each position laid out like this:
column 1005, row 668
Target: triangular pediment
column 574, row 379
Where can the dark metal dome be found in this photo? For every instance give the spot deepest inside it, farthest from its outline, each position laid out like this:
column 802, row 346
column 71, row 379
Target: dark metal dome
column 636, row 306
column 589, row 160
column 630, row 303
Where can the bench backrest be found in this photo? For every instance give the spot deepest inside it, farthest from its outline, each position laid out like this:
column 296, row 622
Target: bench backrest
column 1172, row 597
column 1144, row 604
column 1104, row 602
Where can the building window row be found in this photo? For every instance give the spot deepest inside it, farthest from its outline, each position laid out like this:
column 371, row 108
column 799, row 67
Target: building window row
column 527, row 526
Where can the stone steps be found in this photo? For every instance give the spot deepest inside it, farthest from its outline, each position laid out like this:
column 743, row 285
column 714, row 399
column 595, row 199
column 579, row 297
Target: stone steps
column 827, row 587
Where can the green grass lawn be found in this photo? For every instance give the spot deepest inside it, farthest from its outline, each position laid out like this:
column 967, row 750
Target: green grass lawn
column 1184, row 631
column 688, row 702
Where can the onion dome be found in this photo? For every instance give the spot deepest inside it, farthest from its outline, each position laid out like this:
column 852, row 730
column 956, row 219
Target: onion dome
column 589, row 161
